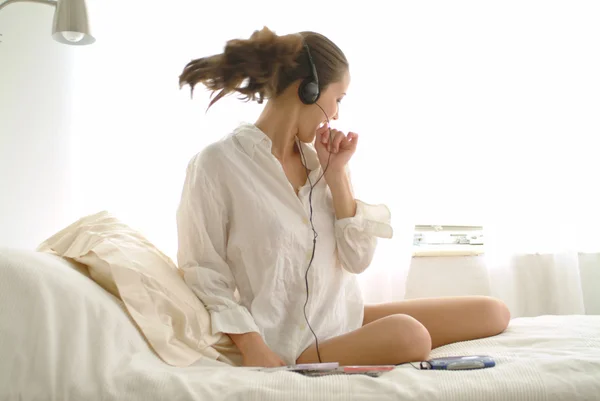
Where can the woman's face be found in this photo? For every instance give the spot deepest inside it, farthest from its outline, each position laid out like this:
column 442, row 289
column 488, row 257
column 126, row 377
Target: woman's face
column 329, row 101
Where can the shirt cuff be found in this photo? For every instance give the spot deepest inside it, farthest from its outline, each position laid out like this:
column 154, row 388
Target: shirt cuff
column 370, row 219
column 236, row 320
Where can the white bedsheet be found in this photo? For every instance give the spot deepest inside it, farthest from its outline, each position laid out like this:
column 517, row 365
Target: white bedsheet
column 64, row 338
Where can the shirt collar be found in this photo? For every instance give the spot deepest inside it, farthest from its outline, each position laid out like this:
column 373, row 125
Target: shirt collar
column 251, row 138
column 312, row 160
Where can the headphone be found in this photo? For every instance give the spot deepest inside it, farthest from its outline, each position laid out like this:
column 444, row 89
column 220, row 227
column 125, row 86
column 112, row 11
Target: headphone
column 309, row 93
column 309, row 87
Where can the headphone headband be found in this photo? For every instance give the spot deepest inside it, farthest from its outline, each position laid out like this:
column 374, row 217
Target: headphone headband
column 313, row 69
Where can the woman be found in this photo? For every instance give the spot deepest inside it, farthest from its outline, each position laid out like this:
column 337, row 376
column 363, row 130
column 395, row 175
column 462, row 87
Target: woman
column 246, row 231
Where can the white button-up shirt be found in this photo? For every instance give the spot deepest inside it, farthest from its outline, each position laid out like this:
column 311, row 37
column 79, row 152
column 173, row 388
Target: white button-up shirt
column 242, row 227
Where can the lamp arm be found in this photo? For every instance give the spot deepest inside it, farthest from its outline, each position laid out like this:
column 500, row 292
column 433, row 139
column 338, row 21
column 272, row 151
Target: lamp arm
column 48, row 2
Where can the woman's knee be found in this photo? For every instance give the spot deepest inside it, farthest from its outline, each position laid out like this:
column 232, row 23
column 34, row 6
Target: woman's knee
column 409, row 338
column 496, row 314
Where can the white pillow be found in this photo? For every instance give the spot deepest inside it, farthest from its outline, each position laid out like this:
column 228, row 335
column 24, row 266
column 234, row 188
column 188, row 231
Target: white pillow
column 170, row 316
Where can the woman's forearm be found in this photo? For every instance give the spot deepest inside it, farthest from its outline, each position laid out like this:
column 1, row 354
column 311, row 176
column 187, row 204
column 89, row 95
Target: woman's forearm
column 246, row 340
column 343, row 200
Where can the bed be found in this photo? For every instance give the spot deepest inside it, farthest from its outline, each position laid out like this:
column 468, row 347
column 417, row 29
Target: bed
column 63, row 337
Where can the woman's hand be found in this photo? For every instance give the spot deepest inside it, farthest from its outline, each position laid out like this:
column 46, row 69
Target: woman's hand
column 255, row 352
column 261, row 356
column 342, row 148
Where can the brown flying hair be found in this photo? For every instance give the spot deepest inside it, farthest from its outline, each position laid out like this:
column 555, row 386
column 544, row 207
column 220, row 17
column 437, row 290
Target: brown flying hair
column 264, row 65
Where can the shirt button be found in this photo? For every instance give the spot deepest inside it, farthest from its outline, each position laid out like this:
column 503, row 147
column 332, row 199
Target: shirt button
column 304, row 220
column 308, row 256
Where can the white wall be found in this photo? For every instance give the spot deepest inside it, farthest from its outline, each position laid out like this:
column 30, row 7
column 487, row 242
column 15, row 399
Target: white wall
column 528, row 288
column 35, row 75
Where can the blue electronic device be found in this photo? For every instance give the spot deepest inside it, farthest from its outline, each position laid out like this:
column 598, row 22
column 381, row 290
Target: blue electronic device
column 459, row 363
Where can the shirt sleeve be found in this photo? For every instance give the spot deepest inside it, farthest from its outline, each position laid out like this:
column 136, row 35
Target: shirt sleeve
column 202, row 239
column 356, row 236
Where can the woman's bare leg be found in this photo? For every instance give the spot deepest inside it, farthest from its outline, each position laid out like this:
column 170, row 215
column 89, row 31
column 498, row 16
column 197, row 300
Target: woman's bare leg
column 451, row 319
column 391, row 340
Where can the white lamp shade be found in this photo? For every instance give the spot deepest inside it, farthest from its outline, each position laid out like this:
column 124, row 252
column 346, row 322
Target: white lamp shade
column 71, row 24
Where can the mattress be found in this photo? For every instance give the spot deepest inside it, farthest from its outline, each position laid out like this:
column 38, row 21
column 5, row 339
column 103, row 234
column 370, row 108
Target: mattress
column 62, row 337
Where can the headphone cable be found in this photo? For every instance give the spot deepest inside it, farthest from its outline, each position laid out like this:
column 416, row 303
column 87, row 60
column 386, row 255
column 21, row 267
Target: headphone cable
column 315, row 235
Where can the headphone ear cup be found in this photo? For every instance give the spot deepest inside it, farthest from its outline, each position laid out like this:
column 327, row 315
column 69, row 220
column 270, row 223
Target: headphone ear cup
column 308, row 91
